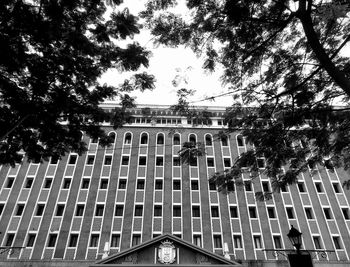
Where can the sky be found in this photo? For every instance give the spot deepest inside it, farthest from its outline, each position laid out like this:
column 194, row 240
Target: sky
column 165, row 64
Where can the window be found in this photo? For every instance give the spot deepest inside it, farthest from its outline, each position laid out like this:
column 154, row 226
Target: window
column 142, row 161
column 290, row 213
column 94, row 140
column 197, row 240
column 208, row 140
column 224, row 141
column 112, row 137
column 308, row 212
column 125, row 160
column 66, row 183
column 104, row 184
column 277, row 242
column 210, row 162
column 136, row 240
column 1, row 207
column 283, row 188
column 159, row 161
column 233, row 212
column 217, row 241
column 144, row 139
column 265, row 186
column 20, row 208
column 72, row 159
column 99, row 210
column 80, row 210
column 337, row 242
column 29, row 183
column 318, row 187
column 214, row 211
column 10, row 181
column 177, row 211
column 193, row 162
column 157, row 211
column 140, row 184
column 54, row 159
column 108, row 160
column 248, row 186
column 336, row 187
column 127, row 139
column 158, row 184
column 327, row 213
column 227, row 163
column 176, row 184
column 85, row 184
column 192, row 139
column 240, row 140
column 39, row 209
column 212, row 186
column 271, row 212
column 196, row 211
column 30, row 240
column 176, row 140
column 73, row 240
column 176, row 161
column 47, row 182
column 94, row 240
column 115, row 240
column 261, row 163
column 345, row 213
column 317, row 242
column 122, row 184
column 138, row 210
column 59, row 210
column 301, row 187
column 230, row 186
column 90, row 159
column 119, row 210
column 252, row 212
column 194, row 185
column 177, row 235
column 160, row 139
column 257, row 242
column 237, row 241
column 9, row 240
column 52, row 240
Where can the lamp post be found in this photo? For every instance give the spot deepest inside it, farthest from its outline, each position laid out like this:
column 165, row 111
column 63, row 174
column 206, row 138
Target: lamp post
column 295, row 238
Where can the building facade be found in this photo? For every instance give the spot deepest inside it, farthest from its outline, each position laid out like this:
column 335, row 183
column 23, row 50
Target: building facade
column 71, row 211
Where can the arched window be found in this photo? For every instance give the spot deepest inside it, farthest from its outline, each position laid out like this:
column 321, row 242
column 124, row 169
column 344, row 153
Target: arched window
column 127, row 139
column 160, row 139
column 176, row 139
column 144, row 139
column 192, row 139
column 112, row 136
column 224, row 141
column 208, row 140
column 240, row 140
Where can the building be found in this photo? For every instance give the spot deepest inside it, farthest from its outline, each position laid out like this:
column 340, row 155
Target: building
column 72, row 211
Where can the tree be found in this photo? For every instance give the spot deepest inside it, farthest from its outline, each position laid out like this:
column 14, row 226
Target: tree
column 52, row 54
column 288, row 76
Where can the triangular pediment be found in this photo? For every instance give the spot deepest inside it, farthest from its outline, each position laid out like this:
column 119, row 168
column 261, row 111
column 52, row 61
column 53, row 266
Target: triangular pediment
column 164, row 249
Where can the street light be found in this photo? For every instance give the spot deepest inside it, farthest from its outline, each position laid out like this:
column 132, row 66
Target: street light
column 295, row 238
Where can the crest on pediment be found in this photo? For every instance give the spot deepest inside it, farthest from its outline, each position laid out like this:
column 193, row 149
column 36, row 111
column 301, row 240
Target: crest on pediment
column 166, row 252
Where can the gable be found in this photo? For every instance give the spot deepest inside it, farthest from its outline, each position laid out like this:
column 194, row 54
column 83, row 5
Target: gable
column 165, row 249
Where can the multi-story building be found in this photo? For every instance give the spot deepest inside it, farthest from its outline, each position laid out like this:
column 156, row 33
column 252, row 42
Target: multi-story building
column 71, row 211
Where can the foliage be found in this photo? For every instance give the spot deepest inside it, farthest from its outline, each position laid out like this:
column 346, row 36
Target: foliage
column 283, row 60
column 52, row 54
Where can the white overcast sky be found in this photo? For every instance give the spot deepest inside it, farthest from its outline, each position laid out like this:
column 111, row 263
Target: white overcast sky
column 165, row 64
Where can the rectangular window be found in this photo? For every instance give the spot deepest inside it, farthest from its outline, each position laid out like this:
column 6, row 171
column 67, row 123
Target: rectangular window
column 99, row 210
column 318, row 187
column 159, row 161
column 73, row 240
column 9, row 240
column 142, row 161
column 136, row 240
column 277, row 242
column 301, row 187
column 290, row 213
column 47, row 182
column 39, row 209
column 317, row 242
column 108, row 160
column 94, row 240
column 176, row 184
column 90, row 160
column 196, row 211
column 157, row 211
column 257, row 242
column 283, row 188
column 197, row 240
column 217, row 241
column 29, row 183
column 10, row 181
column 327, row 213
column 308, row 212
column 265, row 186
column 72, row 159
column 336, row 187
column 212, row 186
column 104, row 184
column 20, row 208
column 210, row 162
column 125, row 160
column 115, row 240
column 59, row 210
column 177, row 211
column 119, row 210
column 248, row 186
column 193, row 162
column 85, row 184
column 80, row 210
column 345, row 213
column 271, row 212
column 194, row 185
column 252, row 212
column 214, row 211
column 52, row 240
column 158, row 184
column 66, row 183
column 30, row 240
column 54, row 159
column 122, row 184
column 1, row 208
column 138, row 210
column 140, row 184
column 176, row 161
column 237, row 240
column 261, row 163
column 337, row 242
column 233, row 212
column 227, row 163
